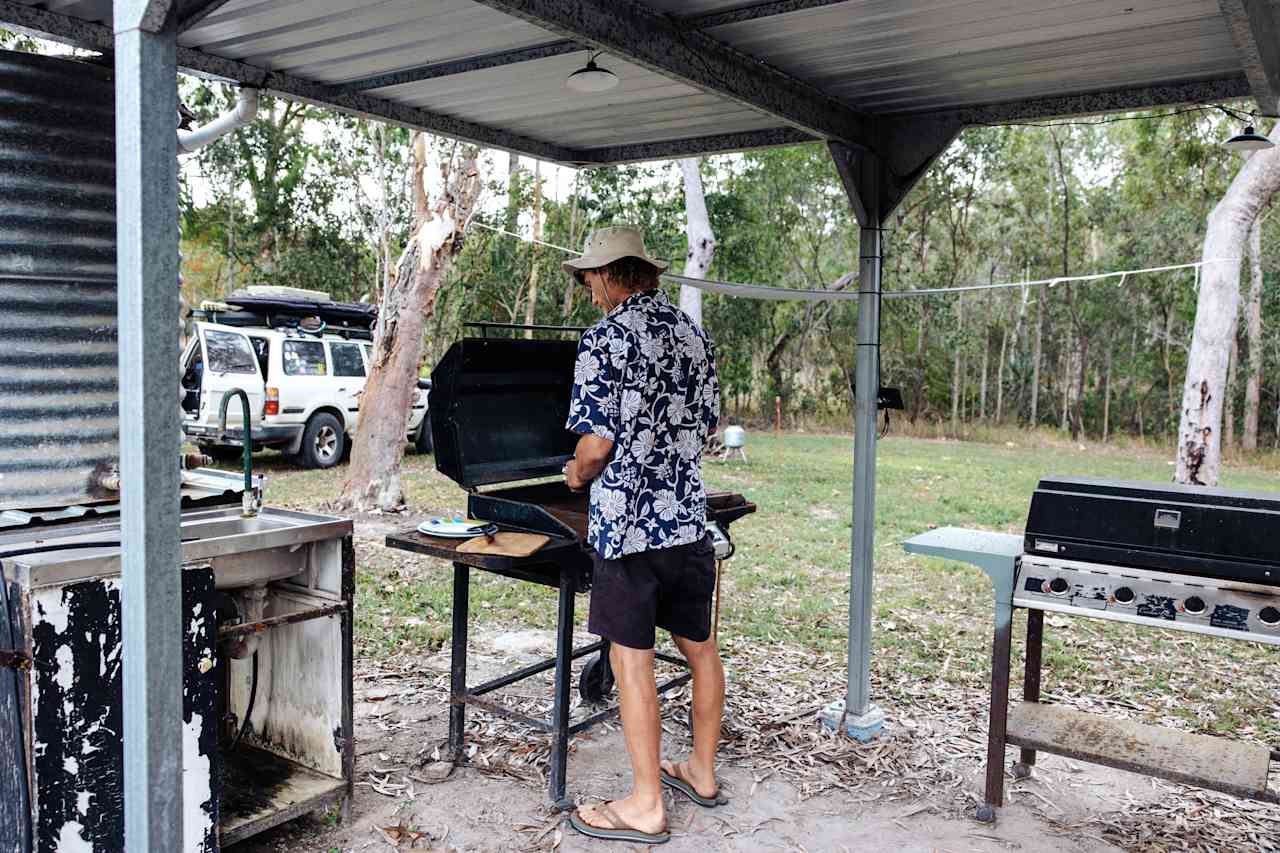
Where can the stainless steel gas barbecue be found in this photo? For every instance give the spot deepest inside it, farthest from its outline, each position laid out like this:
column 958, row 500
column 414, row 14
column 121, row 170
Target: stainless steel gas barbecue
column 498, row 408
column 1193, row 559
column 1206, row 560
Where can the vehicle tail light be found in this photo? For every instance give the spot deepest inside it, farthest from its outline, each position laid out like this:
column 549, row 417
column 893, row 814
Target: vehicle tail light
column 272, row 406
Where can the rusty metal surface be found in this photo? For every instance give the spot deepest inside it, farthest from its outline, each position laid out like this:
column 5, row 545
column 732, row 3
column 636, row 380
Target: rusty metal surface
column 58, row 377
column 1192, row 759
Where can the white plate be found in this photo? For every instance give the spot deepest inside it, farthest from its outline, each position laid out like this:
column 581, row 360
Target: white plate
column 452, row 529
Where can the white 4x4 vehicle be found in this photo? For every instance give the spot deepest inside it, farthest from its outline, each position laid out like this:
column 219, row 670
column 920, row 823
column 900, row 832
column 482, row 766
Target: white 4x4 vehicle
column 304, row 392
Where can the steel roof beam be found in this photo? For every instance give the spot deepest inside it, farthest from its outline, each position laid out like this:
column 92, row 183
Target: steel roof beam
column 462, row 66
column 671, row 149
column 662, row 44
column 752, row 12
column 194, row 12
column 1094, row 103
column 497, row 59
column 1257, row 40
column 98, row 37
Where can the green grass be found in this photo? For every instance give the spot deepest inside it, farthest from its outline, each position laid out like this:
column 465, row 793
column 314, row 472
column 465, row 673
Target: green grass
column 789, row 582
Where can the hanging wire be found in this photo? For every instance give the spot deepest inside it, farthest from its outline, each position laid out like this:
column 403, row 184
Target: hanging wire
column 763, row 291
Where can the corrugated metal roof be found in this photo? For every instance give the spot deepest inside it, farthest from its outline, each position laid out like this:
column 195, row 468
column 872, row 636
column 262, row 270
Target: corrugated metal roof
column 876, row 56
column 914, row 55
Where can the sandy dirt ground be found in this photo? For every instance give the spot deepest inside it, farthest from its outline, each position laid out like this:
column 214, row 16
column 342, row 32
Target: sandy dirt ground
column 400, row 725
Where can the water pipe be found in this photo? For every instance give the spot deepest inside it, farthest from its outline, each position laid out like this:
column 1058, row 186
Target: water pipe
column 250, row 501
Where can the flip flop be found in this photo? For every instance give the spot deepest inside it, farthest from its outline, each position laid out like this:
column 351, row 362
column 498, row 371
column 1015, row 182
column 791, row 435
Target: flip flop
column 618, row 829
column 679, row 783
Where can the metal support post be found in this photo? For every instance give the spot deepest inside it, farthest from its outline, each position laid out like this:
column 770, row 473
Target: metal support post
column 560, row 704
column 856, row 715
column 151, row 549
column 458, row 662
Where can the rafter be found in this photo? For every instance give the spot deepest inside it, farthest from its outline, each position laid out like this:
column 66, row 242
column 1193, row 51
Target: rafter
column 697, row 146
column 98, row 37
column 658, row 42
column 1095, row 103
column 194, row 12
column 752, row 12
column 1253, row 31
column 462, row 66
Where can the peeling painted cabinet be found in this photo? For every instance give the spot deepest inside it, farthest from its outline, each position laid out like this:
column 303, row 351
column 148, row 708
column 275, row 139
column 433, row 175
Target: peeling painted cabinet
column 75, row 708
column 266, row 679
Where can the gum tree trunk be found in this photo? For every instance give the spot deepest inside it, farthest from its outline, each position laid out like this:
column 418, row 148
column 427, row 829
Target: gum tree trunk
column 440, row 218
column 531, row 307
column 1200, row 421
column 1253, row 323
column 702, row 242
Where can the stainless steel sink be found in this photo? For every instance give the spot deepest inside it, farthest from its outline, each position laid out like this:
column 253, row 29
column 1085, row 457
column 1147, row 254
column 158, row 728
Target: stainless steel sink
column 242, row 551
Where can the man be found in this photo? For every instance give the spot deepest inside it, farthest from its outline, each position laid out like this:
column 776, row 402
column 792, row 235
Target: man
column 645, row 397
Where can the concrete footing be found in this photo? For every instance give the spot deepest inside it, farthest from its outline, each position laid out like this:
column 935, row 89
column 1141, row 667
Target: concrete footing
column 863, row 727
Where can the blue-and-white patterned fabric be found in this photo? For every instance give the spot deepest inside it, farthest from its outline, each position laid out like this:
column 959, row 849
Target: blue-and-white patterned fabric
column 645, row 378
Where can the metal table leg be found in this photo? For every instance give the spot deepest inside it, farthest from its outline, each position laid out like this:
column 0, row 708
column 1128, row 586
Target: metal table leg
column 458, row 661
column 998, row 721
column 1031, row 683
column 996, row 554
column 560, row 708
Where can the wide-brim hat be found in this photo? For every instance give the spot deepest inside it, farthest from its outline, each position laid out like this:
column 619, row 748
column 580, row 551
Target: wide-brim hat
column 606, row 245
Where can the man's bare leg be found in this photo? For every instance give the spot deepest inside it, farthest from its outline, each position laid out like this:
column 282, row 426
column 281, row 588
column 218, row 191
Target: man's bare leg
column 708, row 709
column 638, row 696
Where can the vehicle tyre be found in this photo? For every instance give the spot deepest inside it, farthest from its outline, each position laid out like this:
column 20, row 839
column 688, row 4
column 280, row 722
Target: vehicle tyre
column 222, row 452
column 422, row 444
column 596, row 681
column 323, row 442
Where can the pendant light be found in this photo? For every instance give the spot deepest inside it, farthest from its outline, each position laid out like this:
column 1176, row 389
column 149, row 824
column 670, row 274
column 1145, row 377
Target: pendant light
column 1250, row 140
column 591, row 78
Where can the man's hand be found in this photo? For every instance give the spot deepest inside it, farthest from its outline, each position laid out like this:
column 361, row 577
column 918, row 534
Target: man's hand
column 589, row 459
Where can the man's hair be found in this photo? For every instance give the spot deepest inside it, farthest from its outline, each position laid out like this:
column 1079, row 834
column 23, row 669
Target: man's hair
column 632, row 273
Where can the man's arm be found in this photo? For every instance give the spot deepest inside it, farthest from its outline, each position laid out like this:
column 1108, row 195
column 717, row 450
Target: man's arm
column 589, row 459
column 593, row 408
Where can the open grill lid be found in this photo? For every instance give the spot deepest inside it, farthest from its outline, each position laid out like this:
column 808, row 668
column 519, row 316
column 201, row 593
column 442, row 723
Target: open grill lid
column 498, row 408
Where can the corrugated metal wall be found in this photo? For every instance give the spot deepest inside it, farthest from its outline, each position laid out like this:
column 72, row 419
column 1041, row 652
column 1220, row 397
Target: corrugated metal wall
column 59, row 426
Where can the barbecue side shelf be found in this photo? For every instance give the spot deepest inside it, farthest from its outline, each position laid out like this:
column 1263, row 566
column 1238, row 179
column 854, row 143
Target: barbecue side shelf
column 1204, row 761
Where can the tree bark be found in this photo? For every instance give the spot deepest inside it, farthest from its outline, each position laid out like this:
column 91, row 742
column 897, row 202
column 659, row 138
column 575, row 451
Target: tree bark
column 702, row 242
column 570, row 286
column 1253, row 320
column 957, row 362
column 1004, row 347
column 440, row 219
column 982, row 392
column 531, row 307
column 1228, row 397
column 1106, row 399
column 1036, row 357
column 1199, row 444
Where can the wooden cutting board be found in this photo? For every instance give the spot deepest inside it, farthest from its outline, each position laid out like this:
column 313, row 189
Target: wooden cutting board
column 505, row 543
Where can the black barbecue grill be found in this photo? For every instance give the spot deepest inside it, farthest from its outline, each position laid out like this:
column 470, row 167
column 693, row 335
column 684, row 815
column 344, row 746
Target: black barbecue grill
column 498, row 409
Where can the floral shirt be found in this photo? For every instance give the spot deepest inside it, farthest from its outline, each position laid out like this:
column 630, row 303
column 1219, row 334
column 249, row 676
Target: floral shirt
column 645, row 378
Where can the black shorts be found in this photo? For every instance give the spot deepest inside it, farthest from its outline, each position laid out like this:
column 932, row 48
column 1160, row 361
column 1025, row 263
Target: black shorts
column 668, row 588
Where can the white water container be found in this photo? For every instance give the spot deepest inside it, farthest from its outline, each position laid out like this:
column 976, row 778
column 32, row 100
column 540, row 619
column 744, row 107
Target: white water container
column 735, row 437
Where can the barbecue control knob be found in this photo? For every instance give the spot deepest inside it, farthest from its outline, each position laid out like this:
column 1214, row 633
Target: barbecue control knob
column 1123, row 594
column 1269, row 616
column 1193, row 604
column 1059, row 586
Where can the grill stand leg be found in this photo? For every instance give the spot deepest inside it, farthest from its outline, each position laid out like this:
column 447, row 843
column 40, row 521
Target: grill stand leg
column 458, row 661
column 999, row 713
column 560, row 708
column 1031, row 684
